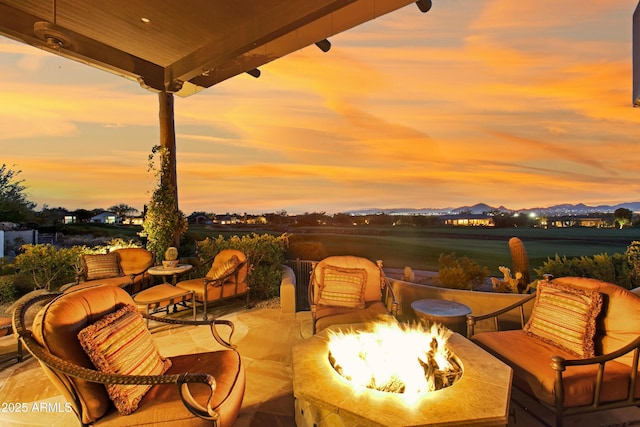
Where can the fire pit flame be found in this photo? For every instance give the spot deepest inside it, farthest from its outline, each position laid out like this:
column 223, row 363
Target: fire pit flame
column 395, row 358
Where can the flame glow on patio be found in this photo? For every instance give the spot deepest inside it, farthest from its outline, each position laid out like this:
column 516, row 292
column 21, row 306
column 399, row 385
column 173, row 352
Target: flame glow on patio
column 408, row 359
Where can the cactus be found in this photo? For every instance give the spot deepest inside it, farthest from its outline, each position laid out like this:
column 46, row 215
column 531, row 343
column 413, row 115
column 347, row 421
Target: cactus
column 520, row 262
column 171, row 254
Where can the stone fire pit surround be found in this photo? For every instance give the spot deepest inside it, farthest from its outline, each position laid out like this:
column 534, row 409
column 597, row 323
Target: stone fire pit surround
column 324, row 398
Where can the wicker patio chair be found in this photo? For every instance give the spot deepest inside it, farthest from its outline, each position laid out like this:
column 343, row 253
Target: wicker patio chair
column 197, row 389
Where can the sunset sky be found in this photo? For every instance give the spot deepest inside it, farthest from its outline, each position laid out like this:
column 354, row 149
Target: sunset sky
column 503, row 102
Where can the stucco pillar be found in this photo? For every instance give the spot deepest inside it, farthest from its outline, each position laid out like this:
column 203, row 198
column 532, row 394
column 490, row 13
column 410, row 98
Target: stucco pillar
column 168, row 141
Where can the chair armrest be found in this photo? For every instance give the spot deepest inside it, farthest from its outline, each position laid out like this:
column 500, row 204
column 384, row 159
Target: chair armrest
column 210, row 322
column 473, row 319
column 388, row 292
column 559, row 364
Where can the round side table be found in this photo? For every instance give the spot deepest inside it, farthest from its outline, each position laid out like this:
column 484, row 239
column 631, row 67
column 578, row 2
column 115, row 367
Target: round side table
column 451, row 314
column 174, row 272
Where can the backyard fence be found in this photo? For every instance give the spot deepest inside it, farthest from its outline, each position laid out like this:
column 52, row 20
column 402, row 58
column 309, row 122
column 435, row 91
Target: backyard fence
column 12, row 240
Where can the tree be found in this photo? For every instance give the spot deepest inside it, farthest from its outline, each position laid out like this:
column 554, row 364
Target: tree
column 622, row 216
column 14, row 205
column 122, row 210
column 163, row 224
column 83, row 215
column 50, row 216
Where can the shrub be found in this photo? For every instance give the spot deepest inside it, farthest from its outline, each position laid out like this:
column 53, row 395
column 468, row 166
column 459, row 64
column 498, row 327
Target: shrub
column 633, row 262
column 460, row 272
column 6, row 267
column 48, row 267
column 265, row 254
column 8, row 291
column 608, row 268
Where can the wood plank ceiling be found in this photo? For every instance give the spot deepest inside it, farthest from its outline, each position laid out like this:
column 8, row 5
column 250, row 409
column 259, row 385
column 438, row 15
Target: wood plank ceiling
column 183, row 46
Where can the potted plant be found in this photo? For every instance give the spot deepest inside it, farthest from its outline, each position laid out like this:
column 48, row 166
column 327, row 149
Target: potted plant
column 170, row 257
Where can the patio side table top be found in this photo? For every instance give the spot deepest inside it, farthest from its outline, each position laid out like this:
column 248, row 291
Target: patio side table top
column 451, row 314
column 440, row 308
column 173, row 272
column 160, row 270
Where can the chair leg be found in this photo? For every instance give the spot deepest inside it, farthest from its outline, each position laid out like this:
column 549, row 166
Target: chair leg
column 204, row 302
column 19, row 356
column 193, row 304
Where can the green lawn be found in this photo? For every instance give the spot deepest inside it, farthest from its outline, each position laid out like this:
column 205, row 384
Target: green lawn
column 421, row 247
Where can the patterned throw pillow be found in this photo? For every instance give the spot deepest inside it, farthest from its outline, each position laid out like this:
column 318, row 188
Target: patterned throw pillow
column 102, row 266
column 224, row 269
column 342, row 287
column 120, row 343
column 565, row 317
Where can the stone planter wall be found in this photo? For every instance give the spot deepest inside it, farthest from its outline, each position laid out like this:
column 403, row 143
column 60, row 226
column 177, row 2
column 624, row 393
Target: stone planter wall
column 479, row 302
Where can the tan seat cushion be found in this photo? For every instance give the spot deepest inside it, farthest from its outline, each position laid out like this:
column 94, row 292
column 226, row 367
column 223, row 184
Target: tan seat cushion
column 327, row 316
column 530, row 359
column 138, row 283
column 168, row 410
column 134, row 260
column 214, row 292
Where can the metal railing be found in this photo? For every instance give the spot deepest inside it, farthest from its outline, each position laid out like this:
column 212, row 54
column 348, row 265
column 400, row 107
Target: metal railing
column 302, row 270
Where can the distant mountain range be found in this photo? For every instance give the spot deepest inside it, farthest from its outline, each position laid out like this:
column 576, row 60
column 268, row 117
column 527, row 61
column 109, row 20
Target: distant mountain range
column 480, row 208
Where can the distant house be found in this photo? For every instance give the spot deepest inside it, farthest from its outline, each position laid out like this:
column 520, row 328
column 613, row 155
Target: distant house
column 468, row 220
column 259, row 220
column 226, row 219
column 576, row 221
column 105, row 218
column 199, row 219
column 133, row 220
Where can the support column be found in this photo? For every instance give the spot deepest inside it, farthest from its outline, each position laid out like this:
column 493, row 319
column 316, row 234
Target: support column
column 168, row 141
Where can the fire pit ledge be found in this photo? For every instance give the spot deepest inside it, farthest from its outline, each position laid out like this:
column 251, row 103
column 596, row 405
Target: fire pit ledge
column 324, row 398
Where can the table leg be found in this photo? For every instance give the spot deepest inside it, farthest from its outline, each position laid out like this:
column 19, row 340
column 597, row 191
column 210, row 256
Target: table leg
column 193, row 303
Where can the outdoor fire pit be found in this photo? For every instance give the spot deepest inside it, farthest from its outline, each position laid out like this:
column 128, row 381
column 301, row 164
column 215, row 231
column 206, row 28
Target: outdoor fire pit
column 395, row 358
column 463, row 385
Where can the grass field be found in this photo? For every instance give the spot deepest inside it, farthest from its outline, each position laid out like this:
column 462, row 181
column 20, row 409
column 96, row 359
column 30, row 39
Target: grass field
column 420, row 248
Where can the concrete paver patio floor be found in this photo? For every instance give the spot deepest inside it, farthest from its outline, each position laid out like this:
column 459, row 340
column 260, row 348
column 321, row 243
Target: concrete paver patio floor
column 264, row 338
